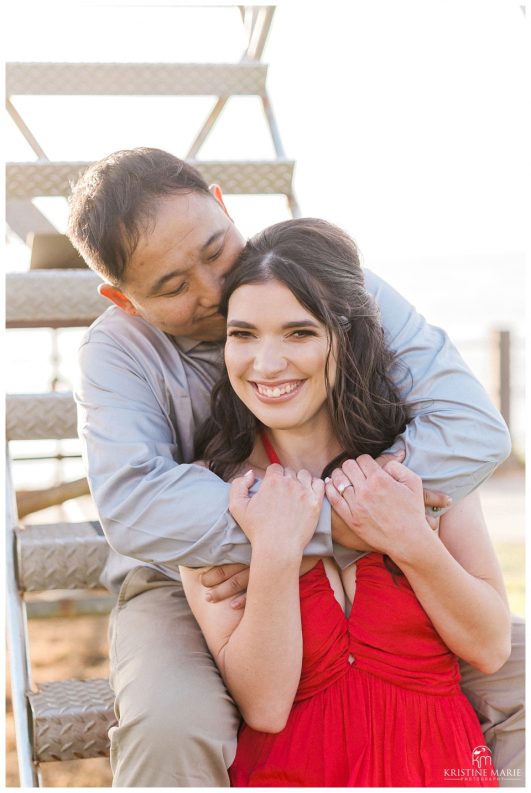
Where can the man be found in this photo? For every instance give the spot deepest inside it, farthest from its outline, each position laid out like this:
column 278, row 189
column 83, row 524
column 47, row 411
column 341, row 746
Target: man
column 163, row 242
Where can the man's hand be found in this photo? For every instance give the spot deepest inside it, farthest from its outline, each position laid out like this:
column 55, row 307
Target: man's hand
column 226, row 581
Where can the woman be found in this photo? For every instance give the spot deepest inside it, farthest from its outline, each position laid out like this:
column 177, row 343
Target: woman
column 343, row 678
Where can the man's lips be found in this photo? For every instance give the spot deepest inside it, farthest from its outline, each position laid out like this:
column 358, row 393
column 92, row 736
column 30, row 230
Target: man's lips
column 279, row 391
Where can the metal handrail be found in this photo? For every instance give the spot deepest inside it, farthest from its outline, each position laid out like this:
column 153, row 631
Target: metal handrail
column 17, row 648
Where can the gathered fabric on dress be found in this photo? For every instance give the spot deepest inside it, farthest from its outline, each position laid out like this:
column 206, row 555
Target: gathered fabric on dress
column 379, row 702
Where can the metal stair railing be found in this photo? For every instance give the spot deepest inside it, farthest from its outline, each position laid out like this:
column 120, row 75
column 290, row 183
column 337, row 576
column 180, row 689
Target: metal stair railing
column 70, row 719
column 60, row 720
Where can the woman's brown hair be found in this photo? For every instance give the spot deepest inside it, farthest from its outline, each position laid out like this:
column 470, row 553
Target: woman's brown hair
column 319, row 264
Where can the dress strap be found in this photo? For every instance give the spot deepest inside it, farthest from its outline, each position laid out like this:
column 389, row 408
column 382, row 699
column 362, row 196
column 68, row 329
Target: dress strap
column 268, row 446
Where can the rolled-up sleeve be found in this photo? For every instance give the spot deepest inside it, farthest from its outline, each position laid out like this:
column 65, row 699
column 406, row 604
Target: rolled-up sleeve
column 456, row 437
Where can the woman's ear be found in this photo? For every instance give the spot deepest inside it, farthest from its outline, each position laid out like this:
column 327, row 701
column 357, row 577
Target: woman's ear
column 117, row 297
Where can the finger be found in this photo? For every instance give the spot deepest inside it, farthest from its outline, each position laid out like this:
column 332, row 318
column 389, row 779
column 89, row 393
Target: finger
column 239, row 602
column 368, row 465
column 343, row 485
column 274, row 470
column 387, row 457
column 216, row 575
column 318, row 487
column 437, row 499
column 240, row 486
column 304, row 477
column 236, row 585
column 239, row 491
column 433, row 521
column 337, row 502
column 354, row 473
column 402, row 474
column 338, row 478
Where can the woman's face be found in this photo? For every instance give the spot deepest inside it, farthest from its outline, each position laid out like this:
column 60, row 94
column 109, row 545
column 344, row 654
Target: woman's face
column 276, row 354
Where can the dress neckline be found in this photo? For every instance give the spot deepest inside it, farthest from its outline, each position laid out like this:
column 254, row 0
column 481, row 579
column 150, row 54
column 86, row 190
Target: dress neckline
column 272, row 456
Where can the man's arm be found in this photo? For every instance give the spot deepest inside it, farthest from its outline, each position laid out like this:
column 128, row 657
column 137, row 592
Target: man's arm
column 456, row 437
column 153, row 507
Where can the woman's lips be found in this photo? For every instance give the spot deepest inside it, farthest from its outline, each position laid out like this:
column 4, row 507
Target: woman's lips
column 279, row 392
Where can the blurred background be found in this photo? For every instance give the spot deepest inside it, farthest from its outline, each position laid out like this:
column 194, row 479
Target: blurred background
column 406, row 120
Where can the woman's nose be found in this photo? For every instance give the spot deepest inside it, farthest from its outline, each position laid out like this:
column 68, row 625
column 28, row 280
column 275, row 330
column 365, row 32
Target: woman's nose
column 269, row 359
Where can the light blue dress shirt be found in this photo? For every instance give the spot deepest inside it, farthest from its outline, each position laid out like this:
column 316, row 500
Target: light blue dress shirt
column 142, row 393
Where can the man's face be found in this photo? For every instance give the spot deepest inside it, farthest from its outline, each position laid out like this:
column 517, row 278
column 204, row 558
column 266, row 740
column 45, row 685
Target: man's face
column 175, row 276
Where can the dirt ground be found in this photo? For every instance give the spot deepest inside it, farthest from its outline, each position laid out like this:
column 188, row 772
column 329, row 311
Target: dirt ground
column 77, row 648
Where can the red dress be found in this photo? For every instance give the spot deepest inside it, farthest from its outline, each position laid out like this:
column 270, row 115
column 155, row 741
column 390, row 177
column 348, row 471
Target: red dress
column 378, row 703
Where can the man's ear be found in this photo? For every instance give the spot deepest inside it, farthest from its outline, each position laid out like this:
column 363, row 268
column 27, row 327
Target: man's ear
column 215, row 189
column 113, row 294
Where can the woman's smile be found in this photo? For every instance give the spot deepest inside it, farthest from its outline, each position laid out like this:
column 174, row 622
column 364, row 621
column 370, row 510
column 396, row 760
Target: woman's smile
column 277, row 392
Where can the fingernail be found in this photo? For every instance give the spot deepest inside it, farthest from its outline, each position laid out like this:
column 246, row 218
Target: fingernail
column 236, row 603
column 208, row 597
column 327, row 480
column 250, row 472
column 449, row 501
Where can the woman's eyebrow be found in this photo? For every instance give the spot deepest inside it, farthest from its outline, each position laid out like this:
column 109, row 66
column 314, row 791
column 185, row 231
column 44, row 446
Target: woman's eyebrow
column 240, row 324
column 303, row 323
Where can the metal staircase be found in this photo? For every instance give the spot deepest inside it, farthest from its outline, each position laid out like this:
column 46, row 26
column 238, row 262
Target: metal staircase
column 70, row 719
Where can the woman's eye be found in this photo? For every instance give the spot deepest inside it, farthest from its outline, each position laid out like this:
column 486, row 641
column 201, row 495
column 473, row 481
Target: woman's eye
column 302, row 334
column 239, row 334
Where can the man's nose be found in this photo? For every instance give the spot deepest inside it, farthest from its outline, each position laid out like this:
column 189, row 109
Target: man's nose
column 210, row 284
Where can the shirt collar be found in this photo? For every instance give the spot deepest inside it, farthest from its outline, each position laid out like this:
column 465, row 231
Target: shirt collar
column 185, row 343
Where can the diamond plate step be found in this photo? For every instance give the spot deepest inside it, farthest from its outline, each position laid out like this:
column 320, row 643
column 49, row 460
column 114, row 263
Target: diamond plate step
column 53, row 299
column 71, row 719
column 40, row 416
column 60, row 556
column 137, row 79
column 43, row 178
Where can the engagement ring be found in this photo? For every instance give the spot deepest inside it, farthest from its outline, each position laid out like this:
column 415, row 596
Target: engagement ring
column 342, row 487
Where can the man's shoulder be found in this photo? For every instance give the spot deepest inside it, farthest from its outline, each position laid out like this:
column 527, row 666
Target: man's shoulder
column 117, row 336
column 116, row 326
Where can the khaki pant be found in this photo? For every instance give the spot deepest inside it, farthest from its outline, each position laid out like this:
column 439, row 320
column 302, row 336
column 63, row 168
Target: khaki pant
column 177, row 723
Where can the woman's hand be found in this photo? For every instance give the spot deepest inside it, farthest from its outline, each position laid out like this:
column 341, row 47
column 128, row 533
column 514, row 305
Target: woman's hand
column 282, row 515
column 384, row 506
